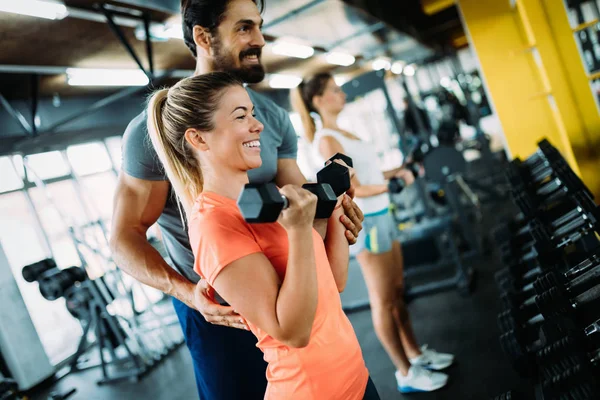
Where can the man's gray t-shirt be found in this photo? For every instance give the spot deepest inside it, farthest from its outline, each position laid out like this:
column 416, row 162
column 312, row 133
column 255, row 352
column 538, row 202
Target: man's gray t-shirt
column 277, row 140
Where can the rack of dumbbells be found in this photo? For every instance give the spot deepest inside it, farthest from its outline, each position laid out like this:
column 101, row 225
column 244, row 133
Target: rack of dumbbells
column 550, row 287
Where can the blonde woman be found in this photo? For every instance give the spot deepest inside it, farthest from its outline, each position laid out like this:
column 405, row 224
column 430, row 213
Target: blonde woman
column 282, row 277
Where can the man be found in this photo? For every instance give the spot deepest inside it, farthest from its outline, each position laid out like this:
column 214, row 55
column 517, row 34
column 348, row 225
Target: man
column 223, row 35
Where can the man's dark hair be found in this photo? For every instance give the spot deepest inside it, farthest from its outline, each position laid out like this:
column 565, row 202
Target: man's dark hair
column 206, row 13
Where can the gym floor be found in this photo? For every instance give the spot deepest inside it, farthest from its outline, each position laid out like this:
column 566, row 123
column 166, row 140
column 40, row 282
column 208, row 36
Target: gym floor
column 465, row 326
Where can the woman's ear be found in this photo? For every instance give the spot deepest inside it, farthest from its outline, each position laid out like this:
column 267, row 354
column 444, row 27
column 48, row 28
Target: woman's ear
column 202, row 37
column 196, row 139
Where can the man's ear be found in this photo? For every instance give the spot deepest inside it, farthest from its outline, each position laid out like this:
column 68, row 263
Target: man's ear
column 202, row 37
column 196, row 139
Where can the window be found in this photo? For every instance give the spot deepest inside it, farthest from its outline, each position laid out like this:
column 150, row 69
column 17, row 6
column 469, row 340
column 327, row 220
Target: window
column 10, row 180
column 88, row 158
column 100, row 189
column 114, row 148
column 48, row 165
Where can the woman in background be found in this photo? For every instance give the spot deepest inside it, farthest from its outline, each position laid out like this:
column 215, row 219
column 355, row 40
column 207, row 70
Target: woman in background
column 377, row 249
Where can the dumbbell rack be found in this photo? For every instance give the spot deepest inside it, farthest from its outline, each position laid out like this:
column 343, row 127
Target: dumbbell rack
column 550, row 287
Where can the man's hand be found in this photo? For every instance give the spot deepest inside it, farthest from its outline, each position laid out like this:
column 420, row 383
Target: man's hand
column 352, row 219
column 213, row 312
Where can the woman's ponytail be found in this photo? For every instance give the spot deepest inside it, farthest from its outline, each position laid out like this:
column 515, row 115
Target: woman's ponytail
column 302, row 107
column 182, row 169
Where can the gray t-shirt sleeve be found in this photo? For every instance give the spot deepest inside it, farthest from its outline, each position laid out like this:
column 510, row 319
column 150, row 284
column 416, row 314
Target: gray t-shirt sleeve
column 289, row 143
column 139, row 158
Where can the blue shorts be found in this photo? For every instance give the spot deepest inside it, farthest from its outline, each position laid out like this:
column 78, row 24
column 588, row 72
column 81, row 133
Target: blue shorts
column 227, row 363
column 377, row 234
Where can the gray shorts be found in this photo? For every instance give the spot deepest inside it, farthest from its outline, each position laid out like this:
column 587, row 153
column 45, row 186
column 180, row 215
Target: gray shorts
column 378, row 232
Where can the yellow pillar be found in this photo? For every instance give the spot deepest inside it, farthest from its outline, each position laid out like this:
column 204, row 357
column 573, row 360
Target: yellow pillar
column 527, row 80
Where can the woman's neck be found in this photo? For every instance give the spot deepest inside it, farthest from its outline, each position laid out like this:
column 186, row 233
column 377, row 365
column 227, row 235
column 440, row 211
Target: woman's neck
column 330, row 121
column 225, row 183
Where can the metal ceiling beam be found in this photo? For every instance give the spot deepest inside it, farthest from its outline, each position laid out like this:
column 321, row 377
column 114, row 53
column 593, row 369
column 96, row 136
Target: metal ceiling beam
column 103, row 103
column 166, row 6
column 119, row 34
column 16, row 115
column 51, row 70
column 292, row 13
column 360, row 32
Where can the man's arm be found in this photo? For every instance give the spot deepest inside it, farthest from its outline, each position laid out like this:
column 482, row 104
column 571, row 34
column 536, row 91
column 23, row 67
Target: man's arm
column 137, row 205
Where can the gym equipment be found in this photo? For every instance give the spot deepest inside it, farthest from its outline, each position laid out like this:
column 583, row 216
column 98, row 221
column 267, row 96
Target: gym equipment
column 262, row 203
column 550, row 288
column 336, row 174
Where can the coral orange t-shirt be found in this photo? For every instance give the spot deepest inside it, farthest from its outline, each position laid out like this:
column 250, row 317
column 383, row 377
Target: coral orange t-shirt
column 331, row 366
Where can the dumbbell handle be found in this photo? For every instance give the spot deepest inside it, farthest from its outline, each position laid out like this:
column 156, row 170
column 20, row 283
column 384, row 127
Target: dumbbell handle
column 587, row 297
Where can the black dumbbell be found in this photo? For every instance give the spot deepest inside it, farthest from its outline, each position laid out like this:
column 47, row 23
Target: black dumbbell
column 262, row 203
column 397, row 185
column 336, row 174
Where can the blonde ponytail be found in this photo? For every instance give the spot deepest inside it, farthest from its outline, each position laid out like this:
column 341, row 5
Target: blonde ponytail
column 185, row 177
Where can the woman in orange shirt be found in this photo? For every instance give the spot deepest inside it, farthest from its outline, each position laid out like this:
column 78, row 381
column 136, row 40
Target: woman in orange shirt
column 283, row 278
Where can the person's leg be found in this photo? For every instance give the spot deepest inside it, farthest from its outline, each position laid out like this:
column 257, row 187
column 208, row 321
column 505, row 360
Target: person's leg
column 422, row 356
column 227, row 364
column 377, row 271
column 380, row 273
column 407, row 335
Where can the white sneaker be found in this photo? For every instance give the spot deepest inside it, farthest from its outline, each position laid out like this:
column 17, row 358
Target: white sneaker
column 433, row 360
column 420, row 379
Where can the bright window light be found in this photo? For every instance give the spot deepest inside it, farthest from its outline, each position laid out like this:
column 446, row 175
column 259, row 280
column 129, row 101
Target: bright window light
column 47, row 165
column 397, row 67
column 381, row 63
column 10, row 180
column 342, row 59
column 106, row 77
column 280, row 81
column 35, row 8
column 410, row 70
column 292, row 49
column 88, row 158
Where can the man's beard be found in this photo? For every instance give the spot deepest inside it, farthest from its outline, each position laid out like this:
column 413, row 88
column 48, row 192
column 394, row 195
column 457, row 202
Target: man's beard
column 224, row 61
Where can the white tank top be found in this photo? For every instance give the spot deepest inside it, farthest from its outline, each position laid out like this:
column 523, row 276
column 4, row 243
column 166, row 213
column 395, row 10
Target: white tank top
column 364, row 159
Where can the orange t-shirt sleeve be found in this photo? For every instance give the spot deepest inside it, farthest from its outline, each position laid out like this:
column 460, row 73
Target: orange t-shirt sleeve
column 218, row 238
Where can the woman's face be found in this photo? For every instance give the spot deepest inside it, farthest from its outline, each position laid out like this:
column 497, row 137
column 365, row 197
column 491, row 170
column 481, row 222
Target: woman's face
column 333, row 98
column 235, row 141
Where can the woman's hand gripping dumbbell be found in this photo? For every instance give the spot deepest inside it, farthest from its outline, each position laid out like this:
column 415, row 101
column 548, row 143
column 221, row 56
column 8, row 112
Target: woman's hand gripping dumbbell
column 265, row 202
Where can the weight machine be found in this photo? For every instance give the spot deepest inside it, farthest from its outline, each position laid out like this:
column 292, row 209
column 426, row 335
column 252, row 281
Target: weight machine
column 103, row 304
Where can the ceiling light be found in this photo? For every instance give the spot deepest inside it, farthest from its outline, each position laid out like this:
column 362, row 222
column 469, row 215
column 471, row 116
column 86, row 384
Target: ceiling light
column 342, row 59
column 35, row 8
column 410, row 70
column 106, row 77
column 160, row 32
column 280, row 81
column 381, row 63
column 292, row 49
column 397, row 67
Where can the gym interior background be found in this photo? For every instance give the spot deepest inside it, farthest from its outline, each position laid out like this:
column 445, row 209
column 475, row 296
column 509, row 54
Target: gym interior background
column 499, row 234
